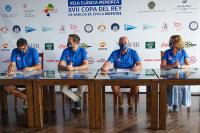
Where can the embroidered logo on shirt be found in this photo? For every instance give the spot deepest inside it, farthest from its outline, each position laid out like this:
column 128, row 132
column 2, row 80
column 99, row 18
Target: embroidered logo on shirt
column 118, row 59
column 170, row 58
column 18, row 58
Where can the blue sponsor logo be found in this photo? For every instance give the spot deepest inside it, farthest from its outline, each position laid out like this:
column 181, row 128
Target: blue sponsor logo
column 8, row 8
column 45, row 28
column 115, row 27
column 29, row 29
column 128, row 27
column 16, row 29
column 145, row 26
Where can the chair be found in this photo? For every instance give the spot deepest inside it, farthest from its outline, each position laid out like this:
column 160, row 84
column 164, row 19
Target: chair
column 23, row 89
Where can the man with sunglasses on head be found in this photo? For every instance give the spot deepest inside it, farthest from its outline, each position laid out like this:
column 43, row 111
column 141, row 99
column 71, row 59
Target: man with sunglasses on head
column 124, row 58
column 23, row 58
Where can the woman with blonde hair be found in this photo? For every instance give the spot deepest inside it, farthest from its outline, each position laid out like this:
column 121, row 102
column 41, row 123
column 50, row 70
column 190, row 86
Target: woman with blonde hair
column 177, row 57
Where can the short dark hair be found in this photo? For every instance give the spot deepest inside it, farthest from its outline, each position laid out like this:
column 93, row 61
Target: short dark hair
column 21, row 42
column 75, row 37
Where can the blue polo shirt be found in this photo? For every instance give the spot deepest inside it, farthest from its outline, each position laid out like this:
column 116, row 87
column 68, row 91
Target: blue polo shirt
column 170, row 58
column 75, row 57
column 30, row 58
column 127, row 60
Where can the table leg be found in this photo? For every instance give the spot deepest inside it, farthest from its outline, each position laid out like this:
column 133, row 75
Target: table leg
column 91, row 104
column 163, row 105
column 154, row 105
column 30, row 105
column 98, row 105
column 3, row 99
column 148, row 99
column 45, row 98
column 103, row 98
column 52, row 98
column 38, row 108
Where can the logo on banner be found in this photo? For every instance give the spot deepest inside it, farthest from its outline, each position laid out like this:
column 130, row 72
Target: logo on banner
column 62, row 29
column 74, row 28
column 84, row 45
column 129, row 27
column 8, row 8
column 188, row 44
column 133, row 44
column 3, row 29
column 50, row 74
column 90, row 60
column 193, row 25
column 5, row 47
column 165, row 45
column 146, row 27
column 34, row 45
column 184, row 7
column 28, row 12
column 102, row 46
column 115, row 27
column 29, row 29
column 88, row 28
column 62, row 46
column 192, row 59
column 152, row 60
column 178, row 26
column 150, row 45
column 46, row 29
column 101, row 28
column 94, row 7
column 101, row 60
column 49, row 9
column 8, row 11
column 16, row 29
column 184, row 1
column 164, row 27
column 49, row 46
column 151, row 5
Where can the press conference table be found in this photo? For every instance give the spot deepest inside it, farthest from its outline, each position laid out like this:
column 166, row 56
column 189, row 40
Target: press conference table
column 35, row 82
column 19, row 78
column 95, row 80
column 55, row 77
column 190, row 76
column 145, row 77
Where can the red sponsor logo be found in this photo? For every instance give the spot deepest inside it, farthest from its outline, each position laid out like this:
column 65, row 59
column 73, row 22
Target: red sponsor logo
column 62, row 46
column 178, row 26
column 3, row 29
column 152, row 60
column 101, row 60
column 165, row 45
column 52, row 60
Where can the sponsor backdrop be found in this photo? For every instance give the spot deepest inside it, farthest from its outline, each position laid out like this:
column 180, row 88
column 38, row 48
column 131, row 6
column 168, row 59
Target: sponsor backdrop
column 147, row 23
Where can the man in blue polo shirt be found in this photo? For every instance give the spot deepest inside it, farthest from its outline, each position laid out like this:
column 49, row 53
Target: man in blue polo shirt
column 123, row 58
column 74, row 58
column 22, row 58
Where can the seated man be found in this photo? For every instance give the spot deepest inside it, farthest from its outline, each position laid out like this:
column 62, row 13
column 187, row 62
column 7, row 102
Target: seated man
column 23, row 58
column 74, row 58
column 123, row 58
